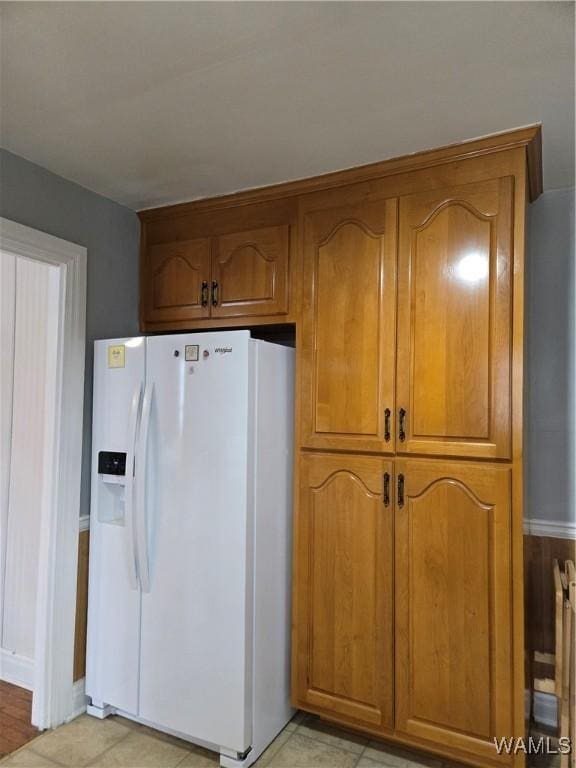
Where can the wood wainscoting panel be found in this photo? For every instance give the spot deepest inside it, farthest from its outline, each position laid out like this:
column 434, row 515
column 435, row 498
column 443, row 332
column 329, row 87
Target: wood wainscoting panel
column 81, row 607
column 539, row 555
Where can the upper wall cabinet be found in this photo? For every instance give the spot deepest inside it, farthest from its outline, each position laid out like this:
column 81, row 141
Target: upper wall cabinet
column 176, row 281
column 218, row 265
column 454, row 321
column 250, row 273
column 348, row 325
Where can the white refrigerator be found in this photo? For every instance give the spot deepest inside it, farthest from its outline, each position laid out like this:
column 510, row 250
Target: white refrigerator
column 190, row 537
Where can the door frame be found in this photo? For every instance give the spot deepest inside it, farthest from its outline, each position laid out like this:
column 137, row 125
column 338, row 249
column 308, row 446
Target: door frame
column 53, row 701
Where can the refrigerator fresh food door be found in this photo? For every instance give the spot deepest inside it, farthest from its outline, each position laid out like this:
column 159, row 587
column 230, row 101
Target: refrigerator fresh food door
column 112, row 664
column 195, row 668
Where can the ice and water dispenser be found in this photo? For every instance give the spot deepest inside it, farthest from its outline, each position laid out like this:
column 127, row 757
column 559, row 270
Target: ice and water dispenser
column 112, row 486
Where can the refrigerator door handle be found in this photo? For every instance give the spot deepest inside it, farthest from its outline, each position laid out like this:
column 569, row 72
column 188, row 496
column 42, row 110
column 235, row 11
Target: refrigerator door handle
column 129, row 487
column 142, row 556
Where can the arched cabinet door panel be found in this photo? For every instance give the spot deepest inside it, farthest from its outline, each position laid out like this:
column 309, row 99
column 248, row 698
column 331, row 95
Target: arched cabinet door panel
column 176, row 281
column 455, row 270
column 348, row 326
column 250, row 272
column 454, row 662
column 343, row 642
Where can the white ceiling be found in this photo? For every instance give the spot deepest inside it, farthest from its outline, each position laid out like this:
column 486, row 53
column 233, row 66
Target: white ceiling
column 153, row 103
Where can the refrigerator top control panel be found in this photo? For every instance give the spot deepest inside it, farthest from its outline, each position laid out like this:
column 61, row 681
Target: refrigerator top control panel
column 111, row 463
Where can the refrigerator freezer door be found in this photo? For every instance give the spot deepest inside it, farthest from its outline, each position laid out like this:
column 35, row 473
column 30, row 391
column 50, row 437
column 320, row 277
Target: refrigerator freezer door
column 112, row 664
column 195, row 671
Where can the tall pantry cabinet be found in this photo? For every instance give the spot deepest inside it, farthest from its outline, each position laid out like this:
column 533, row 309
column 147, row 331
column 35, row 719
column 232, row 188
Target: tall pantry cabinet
column 405, row 282
column 408, row 596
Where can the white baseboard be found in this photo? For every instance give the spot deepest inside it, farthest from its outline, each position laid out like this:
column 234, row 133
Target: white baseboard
column 84, row 523
column 79, row 699
column 17, row 670
column 546, row 709
column 554, row 529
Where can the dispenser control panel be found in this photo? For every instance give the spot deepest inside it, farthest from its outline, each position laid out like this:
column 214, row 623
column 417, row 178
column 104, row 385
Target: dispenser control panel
column 111, row 463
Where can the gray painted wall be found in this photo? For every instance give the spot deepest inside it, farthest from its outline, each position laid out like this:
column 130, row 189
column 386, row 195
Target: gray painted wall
column 37, row 198
column 550, row 347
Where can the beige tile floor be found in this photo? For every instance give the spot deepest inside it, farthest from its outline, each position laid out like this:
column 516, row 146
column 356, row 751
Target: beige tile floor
column 118, row 743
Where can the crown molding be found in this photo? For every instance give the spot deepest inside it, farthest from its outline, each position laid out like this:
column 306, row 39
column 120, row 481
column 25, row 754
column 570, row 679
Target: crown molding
column 529, row 137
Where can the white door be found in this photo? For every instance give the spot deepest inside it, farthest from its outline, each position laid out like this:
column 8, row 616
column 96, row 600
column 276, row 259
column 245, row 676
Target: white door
column 112, row 664
column 29, row 309
column 195, row 672
column 7, row 328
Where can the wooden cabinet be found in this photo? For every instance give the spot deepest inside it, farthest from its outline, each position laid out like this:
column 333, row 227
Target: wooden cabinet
column 450, row 394
column 348, row 326
column 250, row 273
column 412, row 301
column 344, row 639
column 454, row 603
column 236, row 277
column 176, row 281
column 454, row 321
column 404, row 280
